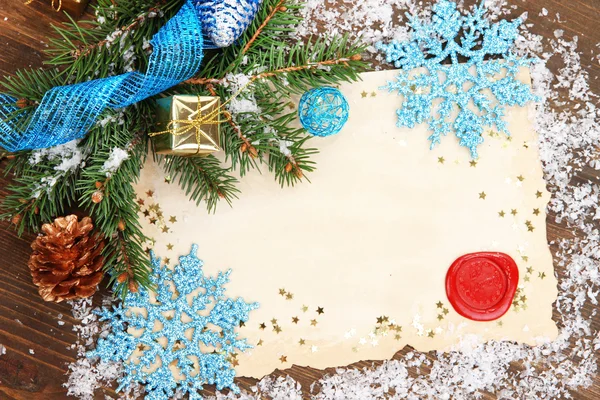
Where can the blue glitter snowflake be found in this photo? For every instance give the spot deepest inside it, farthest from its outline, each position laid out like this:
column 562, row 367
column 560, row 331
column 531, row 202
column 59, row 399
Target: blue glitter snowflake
column 481, row 90
column 186, row 301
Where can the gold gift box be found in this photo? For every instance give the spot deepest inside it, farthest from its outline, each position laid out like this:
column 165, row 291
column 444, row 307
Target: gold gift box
column 183, row 132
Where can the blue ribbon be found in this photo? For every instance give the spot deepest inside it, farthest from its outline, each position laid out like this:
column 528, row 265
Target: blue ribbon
column 67, row 112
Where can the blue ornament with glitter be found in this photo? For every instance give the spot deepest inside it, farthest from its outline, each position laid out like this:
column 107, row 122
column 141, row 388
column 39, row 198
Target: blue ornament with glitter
column 197, row 338
column 323, row 111
column 226, row 20
column 461, row 97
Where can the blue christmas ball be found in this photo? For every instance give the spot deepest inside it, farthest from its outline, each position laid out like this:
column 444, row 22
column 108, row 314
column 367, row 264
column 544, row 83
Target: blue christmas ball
column 323, row 111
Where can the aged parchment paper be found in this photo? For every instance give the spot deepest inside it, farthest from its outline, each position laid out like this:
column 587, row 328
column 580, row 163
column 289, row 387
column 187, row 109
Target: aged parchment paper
column 352, row 265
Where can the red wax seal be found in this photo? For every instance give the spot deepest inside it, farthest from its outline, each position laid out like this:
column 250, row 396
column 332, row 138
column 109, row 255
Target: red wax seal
column 481, row 286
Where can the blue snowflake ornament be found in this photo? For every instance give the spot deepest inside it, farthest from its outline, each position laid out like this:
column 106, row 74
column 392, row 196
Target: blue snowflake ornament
column 186, row 303
column 481, row 89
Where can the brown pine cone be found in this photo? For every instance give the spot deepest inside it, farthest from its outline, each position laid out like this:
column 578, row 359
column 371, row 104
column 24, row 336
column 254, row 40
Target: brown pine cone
column 67, row 259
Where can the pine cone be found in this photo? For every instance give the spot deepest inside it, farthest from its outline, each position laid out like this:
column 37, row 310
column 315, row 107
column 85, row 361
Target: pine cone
column 67, row 259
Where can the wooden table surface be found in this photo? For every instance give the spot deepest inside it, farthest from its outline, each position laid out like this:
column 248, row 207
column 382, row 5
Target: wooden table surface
column 27, row 322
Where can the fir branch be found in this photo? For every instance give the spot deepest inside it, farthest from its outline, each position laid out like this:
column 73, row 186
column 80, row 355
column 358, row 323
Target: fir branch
column 202, row 179
column 278, row 8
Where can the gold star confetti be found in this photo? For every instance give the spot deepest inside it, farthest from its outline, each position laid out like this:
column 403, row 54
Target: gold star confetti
column 530, row 228
column 538, row 194
column 430, row 333
column 167, row 179
column 514, row 211
column 526, row 145
column 173, row 219
column 439, row 304
column 501, row 213
column 441, row 160
column 283, row 359
column 165, row 229
column 282, row 292
column 529, row 270
column 536, row 211
column 397, row 337
column 525, row 258
column 541, row 275
column 277, row 329
column 473, row 163
column 140, row 202
column 440, row 317
column 304, row 308
column 509, row 138
column 235, row 363
column 373, row 94
column 169, row 246
column 320, row 310
column 167, row 261
column 260, row 342
column 521, row 178
column 146, row 213
column 482, row 195
column 262, row 326
column 242, row 324
column 499, row 323
column 150, row 193
column 526, row 279
column 313, row 322
column 289, row 296
column 274, row 321
column 153, row 220
column 380, row 320
column 364, row 94
column 302, row 342
column 295, row 320
column 159, row 214
column 445, row 311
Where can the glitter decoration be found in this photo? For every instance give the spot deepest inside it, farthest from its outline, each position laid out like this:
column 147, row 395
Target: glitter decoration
column 481, row 89
column 225, row 20
column 323, row 111
column 197, row 341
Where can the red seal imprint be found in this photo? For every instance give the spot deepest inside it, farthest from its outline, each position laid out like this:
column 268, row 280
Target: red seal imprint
column 481, row 286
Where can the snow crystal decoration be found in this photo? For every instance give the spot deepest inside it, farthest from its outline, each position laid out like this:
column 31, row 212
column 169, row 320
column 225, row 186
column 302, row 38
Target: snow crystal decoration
column 430, row 96
column 196, row 338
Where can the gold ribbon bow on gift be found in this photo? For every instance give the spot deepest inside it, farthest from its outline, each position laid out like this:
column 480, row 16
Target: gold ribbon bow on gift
column 56, row 4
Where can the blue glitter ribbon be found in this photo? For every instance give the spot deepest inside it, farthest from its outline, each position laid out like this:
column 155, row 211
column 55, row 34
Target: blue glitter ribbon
column 67, row 112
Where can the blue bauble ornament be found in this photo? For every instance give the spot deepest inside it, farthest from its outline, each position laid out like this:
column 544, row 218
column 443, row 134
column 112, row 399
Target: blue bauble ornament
column 323, row 111
column 224, row 21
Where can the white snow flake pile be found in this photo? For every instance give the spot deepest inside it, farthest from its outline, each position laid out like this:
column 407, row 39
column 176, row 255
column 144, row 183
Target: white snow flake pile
column 114, row 161
column 568, row 142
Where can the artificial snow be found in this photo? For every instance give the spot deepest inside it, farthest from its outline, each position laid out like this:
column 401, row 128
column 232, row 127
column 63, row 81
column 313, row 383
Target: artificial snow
column 114, row 161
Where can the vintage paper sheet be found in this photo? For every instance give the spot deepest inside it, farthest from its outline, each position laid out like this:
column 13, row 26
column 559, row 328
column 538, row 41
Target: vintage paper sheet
column 352, row 265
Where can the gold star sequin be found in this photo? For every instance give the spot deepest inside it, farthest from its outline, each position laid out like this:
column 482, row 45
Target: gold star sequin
column 320, row 310
column 274, row 321
column 282, row 292
column 441, row 160
column 499, row 323
column 173, row 219
column 373, row 94
column 501, row 213
column 165, row 229
column 541, row 275
column 536, row 211
column 482, row 195
column 526, row 145
column 295, row 320
column 525, row 258
column 530, row 228
column 289, row 296
column 538, row 194
column 242, row 324
column 526, row 279
column 529, row 270
column 283, row 359
column 260, row 342
column 153, row 221
column 169, row 246
column 440, row 317
column 140, row 202
column 364, row 94
column 439, row 304
column 313, row 322
column 304, row 308
column 167, row 261
column 146, row 213
column 277, row 329
column 150, row 193
column 445, row 311
column 235, row 363
column 397, row 337
column 431, row 334
column 262, row 326
column 514, row 211
column 473, row 163
column 167, row 179
column 302, row 342
column 521, row 178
